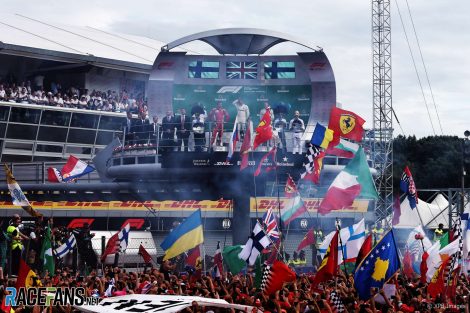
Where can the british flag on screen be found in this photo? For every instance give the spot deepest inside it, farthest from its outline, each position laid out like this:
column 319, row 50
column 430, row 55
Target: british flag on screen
column 270, row 223
column 242, row 70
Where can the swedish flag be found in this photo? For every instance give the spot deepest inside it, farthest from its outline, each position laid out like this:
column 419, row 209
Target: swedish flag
column 377, row 267
column 184, row 237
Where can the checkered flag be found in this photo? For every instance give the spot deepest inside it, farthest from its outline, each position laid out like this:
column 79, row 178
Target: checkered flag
column 266, row 275
column 274, row 276
column 312, row 166
column 336, row 303
column 456, row 257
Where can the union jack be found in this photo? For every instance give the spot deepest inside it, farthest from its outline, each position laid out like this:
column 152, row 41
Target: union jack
column 270, row 222
column 242, row 70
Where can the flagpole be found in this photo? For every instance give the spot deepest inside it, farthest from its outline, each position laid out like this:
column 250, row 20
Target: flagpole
column 338, row 227
column 281, row 236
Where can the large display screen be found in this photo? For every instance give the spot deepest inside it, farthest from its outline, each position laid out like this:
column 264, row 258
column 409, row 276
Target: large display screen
column 287, row 98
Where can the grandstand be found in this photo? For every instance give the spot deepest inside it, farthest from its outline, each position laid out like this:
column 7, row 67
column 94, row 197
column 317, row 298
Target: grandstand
column 66, row 91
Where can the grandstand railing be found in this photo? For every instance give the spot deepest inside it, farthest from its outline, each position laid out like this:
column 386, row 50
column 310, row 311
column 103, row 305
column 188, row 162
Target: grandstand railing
column 30, row 132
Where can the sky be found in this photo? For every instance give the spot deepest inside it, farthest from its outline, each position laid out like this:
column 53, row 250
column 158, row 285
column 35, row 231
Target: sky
column 342, row 28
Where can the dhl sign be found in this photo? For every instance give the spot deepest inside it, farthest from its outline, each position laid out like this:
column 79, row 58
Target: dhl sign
column 220, row 205
column 312, row 204
column 167, row 205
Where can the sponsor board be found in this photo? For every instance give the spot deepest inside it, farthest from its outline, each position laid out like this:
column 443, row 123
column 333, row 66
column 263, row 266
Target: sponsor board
column 166, row 205
column 312, row 204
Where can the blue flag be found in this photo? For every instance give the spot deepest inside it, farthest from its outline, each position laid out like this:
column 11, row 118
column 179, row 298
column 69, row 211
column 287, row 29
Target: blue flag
column 377, row 267
column 407, row 185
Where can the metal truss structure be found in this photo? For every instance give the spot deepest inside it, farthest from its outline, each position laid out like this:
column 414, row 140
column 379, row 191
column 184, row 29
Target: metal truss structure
column 458, row 203
column 381, row 135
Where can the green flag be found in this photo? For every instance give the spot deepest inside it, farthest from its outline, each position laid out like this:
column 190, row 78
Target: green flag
column 259, row 271
column 444, row 240
column 234, row 263
column 46, row 253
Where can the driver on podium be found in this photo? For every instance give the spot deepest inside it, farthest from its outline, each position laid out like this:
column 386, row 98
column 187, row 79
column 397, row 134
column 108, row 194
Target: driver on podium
column 220, row 116
column 297, row 126
column 243, row 113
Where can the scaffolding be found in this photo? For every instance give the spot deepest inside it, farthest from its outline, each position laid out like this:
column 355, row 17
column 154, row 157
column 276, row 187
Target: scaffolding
column 381, row 135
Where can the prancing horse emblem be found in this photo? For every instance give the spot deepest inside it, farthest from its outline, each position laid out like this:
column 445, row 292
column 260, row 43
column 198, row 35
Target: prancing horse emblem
column 347, row 123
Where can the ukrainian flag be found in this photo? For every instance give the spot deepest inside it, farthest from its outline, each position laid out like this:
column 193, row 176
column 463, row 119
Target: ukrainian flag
column 184, row 237
column 321, row 136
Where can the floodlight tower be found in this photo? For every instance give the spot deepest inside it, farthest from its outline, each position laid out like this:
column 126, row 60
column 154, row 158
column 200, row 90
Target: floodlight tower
column 381, row 135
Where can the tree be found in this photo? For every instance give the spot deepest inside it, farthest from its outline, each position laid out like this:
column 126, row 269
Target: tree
column 434, row 161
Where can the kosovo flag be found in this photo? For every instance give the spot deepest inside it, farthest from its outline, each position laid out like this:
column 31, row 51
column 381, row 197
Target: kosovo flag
column 377, row 267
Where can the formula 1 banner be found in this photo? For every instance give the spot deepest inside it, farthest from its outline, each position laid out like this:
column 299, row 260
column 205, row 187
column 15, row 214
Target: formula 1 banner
column 312, row 204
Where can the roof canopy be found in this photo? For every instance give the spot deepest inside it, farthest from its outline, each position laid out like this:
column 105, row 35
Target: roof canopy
column 37, row 38
column 430, row 215
column 238, row 40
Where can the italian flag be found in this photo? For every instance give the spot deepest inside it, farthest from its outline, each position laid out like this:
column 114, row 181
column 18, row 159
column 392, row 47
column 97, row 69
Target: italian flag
column 353, row 181
column 293, row 208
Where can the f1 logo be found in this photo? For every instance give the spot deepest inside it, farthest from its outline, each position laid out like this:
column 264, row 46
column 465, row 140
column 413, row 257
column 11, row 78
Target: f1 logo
column 230, row 89
column 137, row 223
column 80, row 222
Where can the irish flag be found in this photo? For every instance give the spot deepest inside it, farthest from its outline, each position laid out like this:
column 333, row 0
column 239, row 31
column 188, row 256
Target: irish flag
column 353, row 181
column 293, row 208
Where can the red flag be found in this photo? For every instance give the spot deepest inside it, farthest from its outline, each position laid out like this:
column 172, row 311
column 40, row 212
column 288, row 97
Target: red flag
column 291, row 189
column 271, row 154
column 245, row 148
column 452, row 284
column 423, row 268
column 346, row 124
column 308, row 240
column 26, row 276
column 275, row 276
column 436, row 285
column 365, row 249
column 329, row 265
column 194, row 256
column 54, row 175
column 264, row 131
column 396, row 211
column 408, row 265
column 194, row 260
column 314, row 176
column 144, row 254
column 112, row 246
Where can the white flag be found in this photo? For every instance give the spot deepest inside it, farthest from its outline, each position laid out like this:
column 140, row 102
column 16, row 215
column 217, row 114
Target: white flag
column 65, row 248
column 255, row 244
column 352, row 238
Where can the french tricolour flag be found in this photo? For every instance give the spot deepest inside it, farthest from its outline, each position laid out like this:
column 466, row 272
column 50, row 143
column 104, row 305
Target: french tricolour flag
column 74, row 168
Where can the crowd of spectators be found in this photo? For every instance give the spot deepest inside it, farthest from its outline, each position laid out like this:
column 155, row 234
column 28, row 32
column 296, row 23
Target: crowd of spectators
column 295, row 297
column 168, row 278
column 72, row 97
